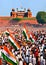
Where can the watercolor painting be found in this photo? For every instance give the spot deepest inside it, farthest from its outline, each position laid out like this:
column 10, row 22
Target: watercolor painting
column 23, row 32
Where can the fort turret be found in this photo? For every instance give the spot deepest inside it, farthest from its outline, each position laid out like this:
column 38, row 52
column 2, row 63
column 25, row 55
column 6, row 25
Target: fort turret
column 29, row 13
column 13, row 13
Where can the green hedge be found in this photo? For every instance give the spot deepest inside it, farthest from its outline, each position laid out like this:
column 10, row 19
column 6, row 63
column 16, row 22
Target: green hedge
column 25, row 18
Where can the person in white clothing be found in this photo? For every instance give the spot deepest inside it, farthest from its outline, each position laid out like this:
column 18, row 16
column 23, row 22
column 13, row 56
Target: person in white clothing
column 42, row 61
column 34, row 60
column 30, row 64
column 20, row 61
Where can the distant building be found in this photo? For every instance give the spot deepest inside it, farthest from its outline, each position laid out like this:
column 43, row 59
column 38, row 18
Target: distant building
column 21, row 14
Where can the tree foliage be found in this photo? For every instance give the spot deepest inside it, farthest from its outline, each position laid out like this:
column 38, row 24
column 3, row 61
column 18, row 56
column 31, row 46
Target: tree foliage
column 41, row 17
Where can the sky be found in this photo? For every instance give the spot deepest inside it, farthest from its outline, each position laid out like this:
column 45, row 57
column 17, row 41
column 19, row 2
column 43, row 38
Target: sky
column 34, row 5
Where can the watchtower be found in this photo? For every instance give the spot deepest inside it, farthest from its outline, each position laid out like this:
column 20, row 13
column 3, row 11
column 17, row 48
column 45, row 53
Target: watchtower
column 13, row 13
column 29, row 13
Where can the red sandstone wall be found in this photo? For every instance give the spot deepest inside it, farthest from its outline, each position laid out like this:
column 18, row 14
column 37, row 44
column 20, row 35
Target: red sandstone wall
column 29, row 21
column 5, row 21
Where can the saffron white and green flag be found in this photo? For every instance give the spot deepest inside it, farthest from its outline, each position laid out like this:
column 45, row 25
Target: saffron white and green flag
column 32, row 38
column 25, row 33
column 7, row 32
column 13, row 42
column 8, row 58
column 27, row 36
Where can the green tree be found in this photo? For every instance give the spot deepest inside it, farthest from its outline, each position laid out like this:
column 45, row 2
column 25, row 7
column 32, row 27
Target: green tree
column 41, row 17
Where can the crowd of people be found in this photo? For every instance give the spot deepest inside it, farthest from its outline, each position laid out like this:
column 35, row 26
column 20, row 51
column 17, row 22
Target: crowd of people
column 29, row 53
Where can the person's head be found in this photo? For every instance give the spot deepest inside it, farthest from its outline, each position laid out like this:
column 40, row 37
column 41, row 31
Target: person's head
column 45, row 50
column 33, row 45
column 20, row 59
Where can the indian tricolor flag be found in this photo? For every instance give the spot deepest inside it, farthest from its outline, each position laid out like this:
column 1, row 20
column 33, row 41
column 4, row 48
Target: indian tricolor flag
column 9, row 52
column 13, row 42
column 9, row 59
column 7, row 32
column 32, row 38
column 25, row 33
